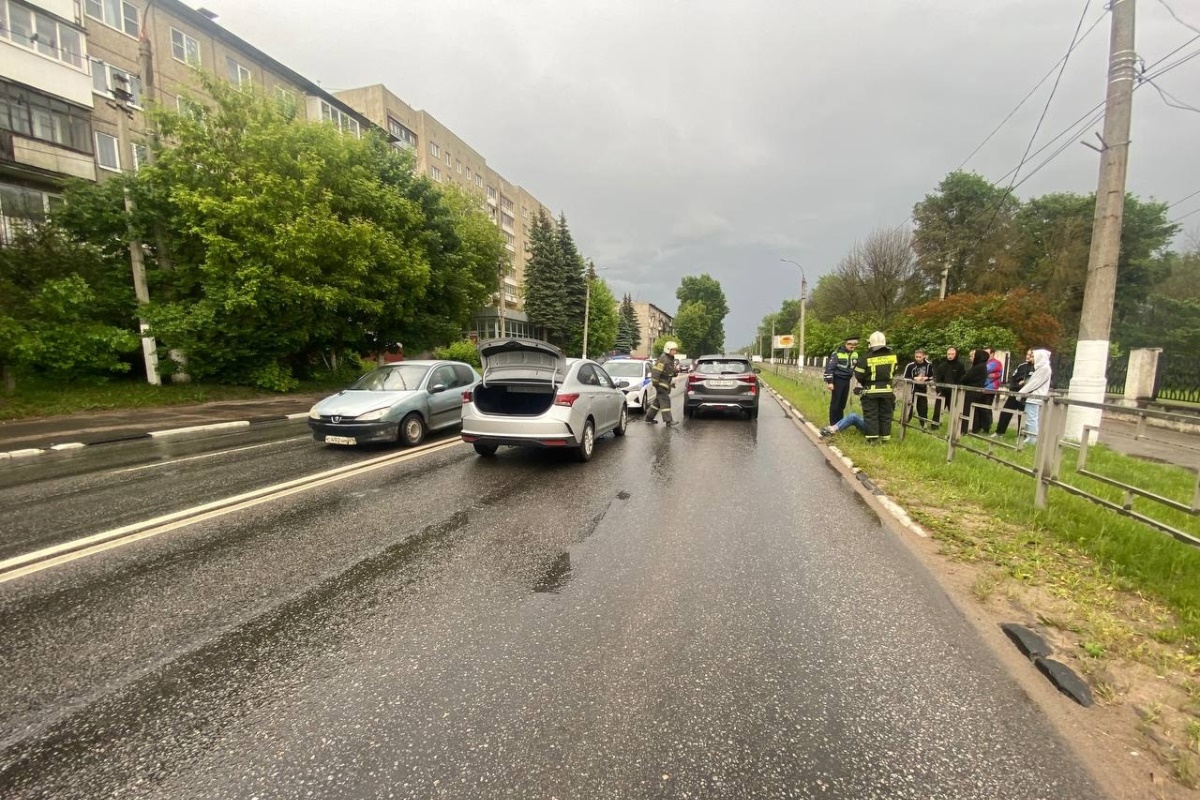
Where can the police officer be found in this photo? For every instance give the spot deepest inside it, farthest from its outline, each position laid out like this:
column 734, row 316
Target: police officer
column 839, row 369
column 662, row 378
column 874, row 373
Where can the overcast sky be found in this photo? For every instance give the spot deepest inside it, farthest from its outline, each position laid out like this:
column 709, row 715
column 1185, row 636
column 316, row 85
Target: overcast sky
column 690, row 136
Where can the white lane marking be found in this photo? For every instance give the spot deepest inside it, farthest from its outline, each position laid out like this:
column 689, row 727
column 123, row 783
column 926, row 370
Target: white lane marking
column 23, row 453
column 209, row 455
column 215, row 426
column 68, row 446
column 70, row 551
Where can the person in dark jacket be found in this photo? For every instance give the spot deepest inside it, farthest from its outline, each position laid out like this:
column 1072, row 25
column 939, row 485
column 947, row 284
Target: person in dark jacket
column 1015, row 402
column 662, row 377
column 874, row 374
column 974, row 410
column 946, row 374
column 839, row 369
column 920, row 372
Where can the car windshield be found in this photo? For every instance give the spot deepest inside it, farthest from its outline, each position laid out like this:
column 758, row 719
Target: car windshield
column 731, row 367
column 399, row 378
column 624, row 369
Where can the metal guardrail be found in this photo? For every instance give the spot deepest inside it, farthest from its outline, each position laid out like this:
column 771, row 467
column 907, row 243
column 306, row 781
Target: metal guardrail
column 1050, row 444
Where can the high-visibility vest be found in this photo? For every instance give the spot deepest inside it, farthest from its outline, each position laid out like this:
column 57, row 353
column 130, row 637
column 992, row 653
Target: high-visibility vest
column 875, row 372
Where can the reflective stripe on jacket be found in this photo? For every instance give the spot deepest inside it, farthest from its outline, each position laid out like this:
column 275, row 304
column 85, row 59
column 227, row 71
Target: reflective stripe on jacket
column 663, row 371
column 840, row 365
column 875, row 372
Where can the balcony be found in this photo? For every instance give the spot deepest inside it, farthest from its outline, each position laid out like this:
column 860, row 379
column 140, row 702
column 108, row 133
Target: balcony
column 40, row 157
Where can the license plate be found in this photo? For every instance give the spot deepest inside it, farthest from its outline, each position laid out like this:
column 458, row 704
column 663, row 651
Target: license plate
column 340, row 440
column 721, row 384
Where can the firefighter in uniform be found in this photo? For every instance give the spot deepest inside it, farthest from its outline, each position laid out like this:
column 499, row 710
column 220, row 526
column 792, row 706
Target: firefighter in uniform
column 839, row 369
column 874, row 374
column 662, row 378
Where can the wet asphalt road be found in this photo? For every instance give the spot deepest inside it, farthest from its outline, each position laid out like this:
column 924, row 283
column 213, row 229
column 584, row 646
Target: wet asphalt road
column 698, row 612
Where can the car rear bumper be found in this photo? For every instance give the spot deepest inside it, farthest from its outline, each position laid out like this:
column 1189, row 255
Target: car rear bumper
column 360, row 432
column 542, row 431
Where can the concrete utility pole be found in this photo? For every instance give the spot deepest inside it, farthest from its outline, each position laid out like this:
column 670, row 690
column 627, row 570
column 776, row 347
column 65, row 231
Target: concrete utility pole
column 1088, row 381
column 500, row 296
column 122, row 96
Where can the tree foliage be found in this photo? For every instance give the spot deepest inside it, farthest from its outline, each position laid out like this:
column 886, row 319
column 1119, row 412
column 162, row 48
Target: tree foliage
column 290, row 242
column 603, row 319
column 629, row 333
column 705, row 291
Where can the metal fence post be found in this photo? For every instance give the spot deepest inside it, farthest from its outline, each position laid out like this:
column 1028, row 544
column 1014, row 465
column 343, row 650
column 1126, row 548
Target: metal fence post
column 1045, row 419
column 957, row 400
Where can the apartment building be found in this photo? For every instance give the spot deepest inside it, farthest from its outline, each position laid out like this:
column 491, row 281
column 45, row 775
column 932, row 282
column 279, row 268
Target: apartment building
column 653, row 322
column 46, row 105
column 445, row 158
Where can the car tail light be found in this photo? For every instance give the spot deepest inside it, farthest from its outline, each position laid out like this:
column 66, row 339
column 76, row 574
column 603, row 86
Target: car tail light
column 693, row 378
column 567, row 400
column 466, row 396
column 753, row 381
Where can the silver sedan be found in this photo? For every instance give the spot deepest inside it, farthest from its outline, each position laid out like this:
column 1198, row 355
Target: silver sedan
column 532, row 395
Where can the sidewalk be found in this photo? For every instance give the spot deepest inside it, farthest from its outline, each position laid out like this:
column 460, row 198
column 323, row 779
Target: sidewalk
column 100, row 427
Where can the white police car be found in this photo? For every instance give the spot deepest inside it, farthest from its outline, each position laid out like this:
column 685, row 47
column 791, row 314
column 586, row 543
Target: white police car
column 632, row 375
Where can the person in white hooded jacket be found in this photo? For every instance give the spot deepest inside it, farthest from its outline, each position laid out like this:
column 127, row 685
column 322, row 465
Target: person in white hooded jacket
column 1035, row 391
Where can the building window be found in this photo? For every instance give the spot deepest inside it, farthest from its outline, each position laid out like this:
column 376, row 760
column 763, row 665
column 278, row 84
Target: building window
column 28, row 113
column 42, row 33
column 435, row 173
column 478, row 180
column 190, row 108
column 459, row 165
column 141, row 156
column 184, row 48
column 406, row 137
column 506, row 219
column 286, row 99
column 434, row 150
column 449, row 161
column 238, row 75
column 505, row 203
column 22, row 208
column 491, row 193
column 511, row 240
column 106, row 78
column 345, row 123
column 115, row 14
column 107, row 155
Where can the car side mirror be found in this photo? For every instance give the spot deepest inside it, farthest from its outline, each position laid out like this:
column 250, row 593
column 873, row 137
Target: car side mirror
column 757, row 370
column 437, row 387
column 622, row 384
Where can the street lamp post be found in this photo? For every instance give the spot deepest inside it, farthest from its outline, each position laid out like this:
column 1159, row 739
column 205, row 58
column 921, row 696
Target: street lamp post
column 803, row 303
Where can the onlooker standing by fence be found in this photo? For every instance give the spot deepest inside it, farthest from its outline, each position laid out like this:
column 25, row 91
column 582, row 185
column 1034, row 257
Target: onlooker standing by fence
column 946, row 374
column 974, row 410
column 1035, row 391
column 920, row 372
column 1014, row 402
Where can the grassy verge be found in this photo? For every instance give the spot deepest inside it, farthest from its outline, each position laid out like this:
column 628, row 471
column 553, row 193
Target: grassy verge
column 1119, row 598
column 38, row 399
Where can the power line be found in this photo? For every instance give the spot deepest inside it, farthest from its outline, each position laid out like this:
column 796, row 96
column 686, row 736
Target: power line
column 1184, row 199
column 1037, row 86
column 1167, row 97
column 1171, row 11
column 1185, row 216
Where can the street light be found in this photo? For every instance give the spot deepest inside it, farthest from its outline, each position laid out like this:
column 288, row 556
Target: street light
column 803, row 302
column 587, row 299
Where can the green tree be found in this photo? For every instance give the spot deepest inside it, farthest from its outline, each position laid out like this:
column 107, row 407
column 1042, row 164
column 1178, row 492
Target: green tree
column 629, row 334
column 571, row 269
column 64, row 311
column 966, row 227
column 546, row 299
column 693, row 324
column 706, row 290
column 603, row 317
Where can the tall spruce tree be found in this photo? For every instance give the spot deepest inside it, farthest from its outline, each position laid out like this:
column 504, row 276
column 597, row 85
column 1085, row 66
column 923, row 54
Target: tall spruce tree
column 629, row 336
column 574, row 281
column 545, row 291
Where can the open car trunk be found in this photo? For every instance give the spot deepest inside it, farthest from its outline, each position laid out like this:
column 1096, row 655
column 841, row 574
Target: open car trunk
column 514, row 399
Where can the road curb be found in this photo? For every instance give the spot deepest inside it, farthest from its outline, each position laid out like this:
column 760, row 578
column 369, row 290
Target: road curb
column 115, row 438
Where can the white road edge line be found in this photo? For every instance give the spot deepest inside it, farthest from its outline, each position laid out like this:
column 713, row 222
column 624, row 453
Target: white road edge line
column 69, row 551
column 210, row 455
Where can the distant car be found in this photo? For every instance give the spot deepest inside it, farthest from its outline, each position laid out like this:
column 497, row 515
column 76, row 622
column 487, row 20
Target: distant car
column 684, row 364
column 397, row 402
column 532, row 395
column 635, row 374
column 722, row 382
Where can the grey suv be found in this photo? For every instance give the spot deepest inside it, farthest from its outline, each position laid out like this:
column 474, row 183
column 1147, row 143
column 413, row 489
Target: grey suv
column 722, row 382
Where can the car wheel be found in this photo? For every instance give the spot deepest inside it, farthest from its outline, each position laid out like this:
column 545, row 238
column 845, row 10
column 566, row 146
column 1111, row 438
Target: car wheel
column 645, row 402
column 622, row 422
column 587, row 444
column 486, row 450
column 689, row 412
column 412, row 430
column 752, row 413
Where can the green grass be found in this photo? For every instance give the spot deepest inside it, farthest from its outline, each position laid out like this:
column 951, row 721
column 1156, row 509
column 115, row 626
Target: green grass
column 1071, row 547
column 35, row 398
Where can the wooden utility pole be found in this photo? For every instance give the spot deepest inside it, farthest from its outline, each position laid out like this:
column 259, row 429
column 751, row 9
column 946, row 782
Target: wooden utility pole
column 1088, row 381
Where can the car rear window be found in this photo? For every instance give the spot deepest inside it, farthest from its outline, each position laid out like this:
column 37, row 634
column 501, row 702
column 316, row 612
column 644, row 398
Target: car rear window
column 722, row 366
